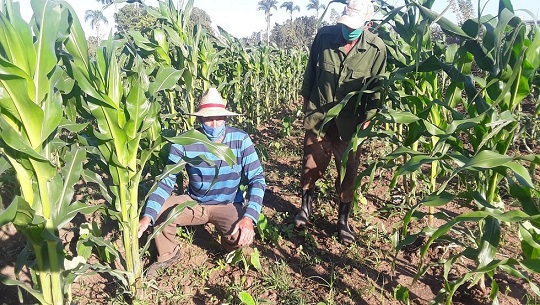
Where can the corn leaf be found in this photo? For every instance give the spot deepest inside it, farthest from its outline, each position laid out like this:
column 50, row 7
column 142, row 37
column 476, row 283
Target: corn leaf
column 445, row 23
column 52, row 113
column 47, row 15
column 13, row 46
column 137, row 106
column 490, row 238
column 173, row 214
column 16, row 142
column 76, row 43
column 71, row 173
column 35, row 293
column 93, row 177
column 193, row 136
column 166, row 78
column 437, row 199
column 7, row 215
column 486, row 159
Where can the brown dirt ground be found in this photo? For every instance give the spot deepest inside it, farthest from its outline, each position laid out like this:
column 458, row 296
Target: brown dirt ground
column 301, row 267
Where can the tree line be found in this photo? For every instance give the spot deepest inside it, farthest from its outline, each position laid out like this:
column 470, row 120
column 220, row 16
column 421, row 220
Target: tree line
column 293, row 33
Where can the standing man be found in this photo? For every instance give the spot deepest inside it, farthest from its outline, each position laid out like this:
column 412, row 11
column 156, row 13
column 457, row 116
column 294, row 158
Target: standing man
column 220, row 199
column 344, row 58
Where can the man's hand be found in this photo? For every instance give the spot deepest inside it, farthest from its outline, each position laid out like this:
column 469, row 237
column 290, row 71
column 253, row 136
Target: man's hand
column 143, row 225
column 245, row 226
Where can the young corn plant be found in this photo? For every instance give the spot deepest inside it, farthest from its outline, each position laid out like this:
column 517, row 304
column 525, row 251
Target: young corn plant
column 508, row 55
column 189, row 50
column 120, row 97
column 415, row 85
column 124, row 109
column 32, row 80
column 232, row 66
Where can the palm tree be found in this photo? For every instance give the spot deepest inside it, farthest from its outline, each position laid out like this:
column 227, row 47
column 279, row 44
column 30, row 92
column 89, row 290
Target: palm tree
column 289, row 6
column 95, row 17
column 315, row 5
column 266, row 6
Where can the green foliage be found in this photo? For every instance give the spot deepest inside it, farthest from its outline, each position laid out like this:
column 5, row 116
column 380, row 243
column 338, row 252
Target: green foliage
column 266, row 230
column 401, row 293
column 31, row 120
column 201, row 19
column 133, row 17
column 453, row 108
column 238, row 256
column 290, row 7
column 246, row 298
column 295, row 34
column 278, row 279
column 315, row 5
column 461, row 124
column 287, row 123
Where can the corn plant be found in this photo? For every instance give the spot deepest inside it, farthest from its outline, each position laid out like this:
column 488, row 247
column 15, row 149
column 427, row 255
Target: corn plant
column 120, row 97
column 32, row 80
column 124, row 109
column 188, row 50
column 508, row 55
column 414, row 85
column 250, row 78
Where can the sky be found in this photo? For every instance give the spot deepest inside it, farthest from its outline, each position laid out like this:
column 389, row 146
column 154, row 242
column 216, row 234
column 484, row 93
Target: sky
column 241, row 17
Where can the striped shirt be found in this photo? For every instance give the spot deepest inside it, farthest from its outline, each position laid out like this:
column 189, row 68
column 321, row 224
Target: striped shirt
column 226, row 187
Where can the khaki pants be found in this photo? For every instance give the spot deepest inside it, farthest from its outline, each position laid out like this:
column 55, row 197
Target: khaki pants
column 224, row 217
column 317, row 155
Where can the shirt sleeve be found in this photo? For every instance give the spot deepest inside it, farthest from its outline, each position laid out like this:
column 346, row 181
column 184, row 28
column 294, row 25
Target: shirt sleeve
column 311, row 68
column 165, row 186
column 253, row 171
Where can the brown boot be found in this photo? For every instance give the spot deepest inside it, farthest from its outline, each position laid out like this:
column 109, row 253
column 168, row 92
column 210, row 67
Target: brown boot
column 346, row 235
column 158, row 267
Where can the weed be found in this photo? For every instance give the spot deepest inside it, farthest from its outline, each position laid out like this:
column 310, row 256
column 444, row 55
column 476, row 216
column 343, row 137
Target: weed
column 287, row 123
column 233, row 290
column 309, row 239
column 307, row 259
column 203, row 272
column 531, row 299
column 279, row 280
column 401, row 293
column 221, row 265
column 266, row 230
column 187, row 234
column 238, row 256
column 329, row 285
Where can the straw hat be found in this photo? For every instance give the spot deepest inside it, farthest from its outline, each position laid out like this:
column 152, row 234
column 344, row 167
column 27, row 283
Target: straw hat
column 212, row 104
column 357, row 13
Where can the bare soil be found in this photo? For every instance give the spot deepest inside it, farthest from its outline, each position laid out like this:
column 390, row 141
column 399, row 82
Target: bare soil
column 299, row 267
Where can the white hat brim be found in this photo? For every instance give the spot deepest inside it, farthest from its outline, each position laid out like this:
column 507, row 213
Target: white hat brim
column 353, row 23
column 210, row 112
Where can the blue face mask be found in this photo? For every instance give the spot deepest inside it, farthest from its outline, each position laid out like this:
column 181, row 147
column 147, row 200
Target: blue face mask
column 213, row 133
column 349, row 34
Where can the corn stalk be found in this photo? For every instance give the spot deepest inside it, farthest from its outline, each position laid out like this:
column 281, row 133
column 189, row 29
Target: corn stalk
column 31, row 120
column 507, row 55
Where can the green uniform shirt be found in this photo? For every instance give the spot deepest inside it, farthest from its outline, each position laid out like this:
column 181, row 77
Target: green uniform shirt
column 331, row 74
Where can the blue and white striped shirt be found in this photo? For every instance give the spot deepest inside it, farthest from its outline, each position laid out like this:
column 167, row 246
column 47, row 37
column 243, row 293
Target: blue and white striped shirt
column 226, row 188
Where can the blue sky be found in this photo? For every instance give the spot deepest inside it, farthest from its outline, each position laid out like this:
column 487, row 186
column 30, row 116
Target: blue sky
column 241, row 17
